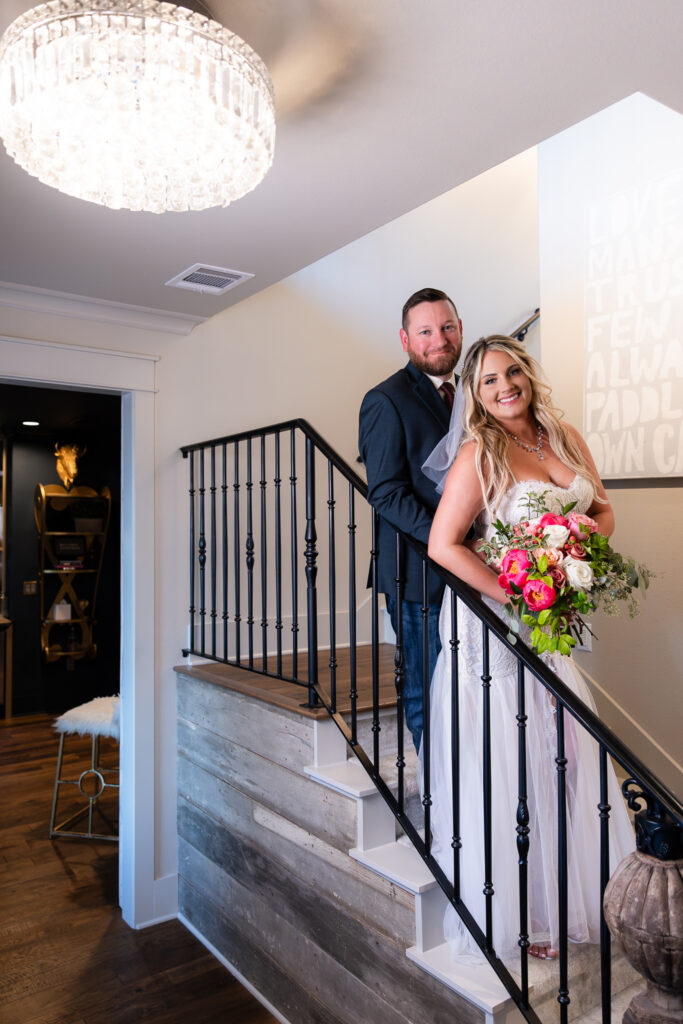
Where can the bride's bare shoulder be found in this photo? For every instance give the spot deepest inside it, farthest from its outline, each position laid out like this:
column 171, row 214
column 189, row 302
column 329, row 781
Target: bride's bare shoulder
column 463, row 472
column 466, row 459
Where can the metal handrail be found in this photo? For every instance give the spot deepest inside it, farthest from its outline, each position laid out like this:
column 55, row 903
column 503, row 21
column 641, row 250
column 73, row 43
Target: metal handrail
column 629, row 761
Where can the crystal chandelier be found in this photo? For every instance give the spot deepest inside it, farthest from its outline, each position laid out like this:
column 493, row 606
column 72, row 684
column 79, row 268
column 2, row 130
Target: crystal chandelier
column 135, row 104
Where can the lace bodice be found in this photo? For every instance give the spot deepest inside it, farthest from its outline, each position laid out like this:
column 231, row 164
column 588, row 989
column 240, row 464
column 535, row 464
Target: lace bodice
column 513, row 506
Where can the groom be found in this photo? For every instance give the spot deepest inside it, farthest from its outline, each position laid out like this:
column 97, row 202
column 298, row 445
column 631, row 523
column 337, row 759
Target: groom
column 401, row 421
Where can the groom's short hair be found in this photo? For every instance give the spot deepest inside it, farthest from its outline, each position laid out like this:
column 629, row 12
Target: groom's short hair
column 424, row 295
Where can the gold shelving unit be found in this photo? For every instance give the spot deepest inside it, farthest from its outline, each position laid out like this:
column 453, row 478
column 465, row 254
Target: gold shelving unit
column 72, row 527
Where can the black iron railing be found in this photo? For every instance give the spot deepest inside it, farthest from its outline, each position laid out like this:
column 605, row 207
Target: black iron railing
column 244, row 558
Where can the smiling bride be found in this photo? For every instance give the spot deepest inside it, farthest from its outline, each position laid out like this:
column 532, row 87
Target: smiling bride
column 514, row 445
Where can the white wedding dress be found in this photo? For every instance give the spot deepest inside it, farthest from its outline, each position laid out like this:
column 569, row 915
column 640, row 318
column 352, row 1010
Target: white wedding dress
column 582, row 777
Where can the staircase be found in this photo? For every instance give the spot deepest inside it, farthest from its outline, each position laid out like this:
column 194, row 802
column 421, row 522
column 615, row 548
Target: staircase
column 265, row 878
column 256, row 576
column 395, row 859
column 292, row 873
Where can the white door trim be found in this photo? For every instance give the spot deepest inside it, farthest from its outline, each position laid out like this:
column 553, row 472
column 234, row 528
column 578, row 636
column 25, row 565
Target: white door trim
column 133, row 377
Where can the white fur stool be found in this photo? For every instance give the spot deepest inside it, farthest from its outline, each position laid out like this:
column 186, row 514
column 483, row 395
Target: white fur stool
column 99, row 717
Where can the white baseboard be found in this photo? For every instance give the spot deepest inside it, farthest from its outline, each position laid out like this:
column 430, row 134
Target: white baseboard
column 164, row 901
column 233, row 970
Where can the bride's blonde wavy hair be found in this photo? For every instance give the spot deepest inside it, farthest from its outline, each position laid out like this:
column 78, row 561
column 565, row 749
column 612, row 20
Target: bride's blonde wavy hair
column 490, row 437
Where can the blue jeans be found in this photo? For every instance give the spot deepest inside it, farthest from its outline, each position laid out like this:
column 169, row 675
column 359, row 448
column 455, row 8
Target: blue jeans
column 412, row 657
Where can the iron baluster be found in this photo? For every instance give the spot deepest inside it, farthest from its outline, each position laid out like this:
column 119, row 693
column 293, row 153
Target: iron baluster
column 375, row 642
column 192, row 553
column 399, row 673
column 237, row 557
column 278, row 557
column 654, row 832
column 426, row 721
column 311, row 575
column 202, row 556
column 295, row 558
column 522, row 833
column 333, row 588
column 212, row 491
column 250, row 559
column 486, row 769
column 224, row 549
column 264, row 561
column 456, row 841
column 561, row 762
column 353, row 692
column 605, row 938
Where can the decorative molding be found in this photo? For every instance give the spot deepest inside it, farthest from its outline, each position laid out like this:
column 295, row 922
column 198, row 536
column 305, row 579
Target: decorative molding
column 53, row 362
column 80, row 307
column 35, row 362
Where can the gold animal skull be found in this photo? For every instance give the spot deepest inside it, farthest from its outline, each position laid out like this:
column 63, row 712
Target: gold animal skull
column 67, row 456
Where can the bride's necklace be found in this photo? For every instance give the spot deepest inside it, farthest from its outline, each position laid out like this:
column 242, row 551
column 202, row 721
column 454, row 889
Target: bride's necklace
column 535, row 449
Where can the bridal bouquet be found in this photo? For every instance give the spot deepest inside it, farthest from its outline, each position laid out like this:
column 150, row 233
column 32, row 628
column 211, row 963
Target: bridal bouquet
column 557, row 568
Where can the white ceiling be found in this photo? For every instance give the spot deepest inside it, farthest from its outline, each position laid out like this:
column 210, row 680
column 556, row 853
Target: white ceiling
column 382, row 105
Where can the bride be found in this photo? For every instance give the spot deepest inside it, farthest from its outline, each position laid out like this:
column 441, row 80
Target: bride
column 514, row 444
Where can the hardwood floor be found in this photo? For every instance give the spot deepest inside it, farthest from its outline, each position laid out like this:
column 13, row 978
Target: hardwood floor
column 66, row 955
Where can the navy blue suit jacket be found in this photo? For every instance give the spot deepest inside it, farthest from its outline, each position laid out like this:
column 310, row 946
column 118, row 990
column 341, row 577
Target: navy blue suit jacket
column 401, row 421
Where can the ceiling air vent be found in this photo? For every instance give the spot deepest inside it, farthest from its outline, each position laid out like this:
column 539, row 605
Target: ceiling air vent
column 208, row 280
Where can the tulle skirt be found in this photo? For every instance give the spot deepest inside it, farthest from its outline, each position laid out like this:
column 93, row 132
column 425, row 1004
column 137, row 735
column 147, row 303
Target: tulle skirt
column 582, row 789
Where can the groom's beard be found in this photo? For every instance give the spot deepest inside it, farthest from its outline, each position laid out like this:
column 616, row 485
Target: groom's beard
column 437, row 364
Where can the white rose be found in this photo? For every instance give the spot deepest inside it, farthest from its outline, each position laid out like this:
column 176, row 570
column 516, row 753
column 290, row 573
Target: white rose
column 556, row 536
column 579, row 574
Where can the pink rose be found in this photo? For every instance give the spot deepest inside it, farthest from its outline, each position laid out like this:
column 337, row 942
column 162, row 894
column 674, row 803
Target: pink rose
column 577, row 550
column 516, row 566
column 557, row 575
column 550, row 519
column 532, row 527
column 538, row 595
column 554, row 555
column 580, row 525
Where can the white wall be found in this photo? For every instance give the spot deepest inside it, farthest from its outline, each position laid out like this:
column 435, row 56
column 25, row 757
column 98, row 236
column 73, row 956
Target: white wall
column 315, row 343
column 634, row 144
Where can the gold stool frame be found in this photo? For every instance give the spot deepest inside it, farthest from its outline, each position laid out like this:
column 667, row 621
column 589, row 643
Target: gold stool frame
column 94, row 773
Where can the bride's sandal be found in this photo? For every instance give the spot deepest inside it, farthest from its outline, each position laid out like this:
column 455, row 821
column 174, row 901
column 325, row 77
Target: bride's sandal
column 542, row 952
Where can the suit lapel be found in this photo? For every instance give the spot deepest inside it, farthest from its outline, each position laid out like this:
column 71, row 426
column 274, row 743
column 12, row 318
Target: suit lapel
column 429, row 396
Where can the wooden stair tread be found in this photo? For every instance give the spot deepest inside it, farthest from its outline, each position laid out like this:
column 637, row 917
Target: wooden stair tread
column 292, row 697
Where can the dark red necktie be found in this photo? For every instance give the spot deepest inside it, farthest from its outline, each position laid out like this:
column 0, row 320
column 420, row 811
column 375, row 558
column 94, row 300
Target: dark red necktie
column 448, row 392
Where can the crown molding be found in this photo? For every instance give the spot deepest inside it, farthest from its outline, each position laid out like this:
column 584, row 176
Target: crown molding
column 79, row 307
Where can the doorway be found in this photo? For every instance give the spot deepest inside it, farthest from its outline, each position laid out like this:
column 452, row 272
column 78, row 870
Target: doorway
column 49, row 672
column 143, row 898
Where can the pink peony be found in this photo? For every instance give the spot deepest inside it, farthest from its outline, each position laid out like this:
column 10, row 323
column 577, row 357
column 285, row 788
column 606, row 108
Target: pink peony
column 504, row 582
column 516, row 566
column 550, row 519
column 538, row 595
column 581, row 525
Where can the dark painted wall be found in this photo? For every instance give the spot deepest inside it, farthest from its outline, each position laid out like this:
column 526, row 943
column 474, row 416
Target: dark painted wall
column 39, row 686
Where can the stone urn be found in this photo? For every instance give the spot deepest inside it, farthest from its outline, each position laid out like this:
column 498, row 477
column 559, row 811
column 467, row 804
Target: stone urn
column 643, row 907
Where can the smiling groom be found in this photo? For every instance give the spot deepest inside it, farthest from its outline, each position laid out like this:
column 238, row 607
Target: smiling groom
column 401, row 421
